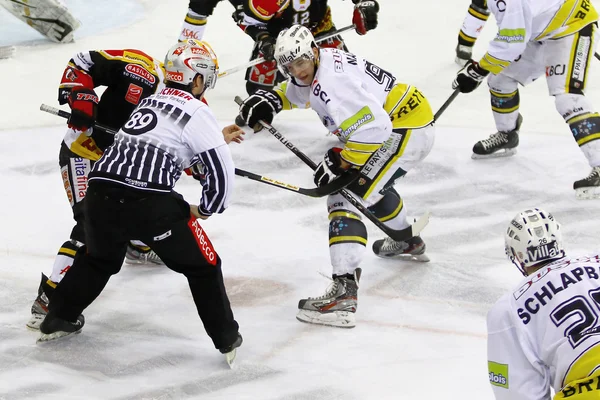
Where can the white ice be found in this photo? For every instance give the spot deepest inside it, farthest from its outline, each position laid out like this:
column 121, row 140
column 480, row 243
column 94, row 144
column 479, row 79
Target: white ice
column 420, row 327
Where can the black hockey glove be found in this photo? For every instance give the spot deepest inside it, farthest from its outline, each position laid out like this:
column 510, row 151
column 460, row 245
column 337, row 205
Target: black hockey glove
column 262, row 105
column 84, row 105
column 330, row 168
column 365, row 16
column 266, row 44
column 469, row 77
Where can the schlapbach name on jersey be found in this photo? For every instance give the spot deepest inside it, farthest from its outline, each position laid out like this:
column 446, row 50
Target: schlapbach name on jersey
column 560, row 282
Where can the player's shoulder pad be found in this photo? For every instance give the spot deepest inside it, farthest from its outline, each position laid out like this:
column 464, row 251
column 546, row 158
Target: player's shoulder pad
column 264, row 10
column 129, row 56
column 498, row 317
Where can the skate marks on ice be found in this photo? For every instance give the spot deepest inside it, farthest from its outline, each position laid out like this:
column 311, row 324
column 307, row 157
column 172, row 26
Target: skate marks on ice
column 207, row 384
column 252, row 291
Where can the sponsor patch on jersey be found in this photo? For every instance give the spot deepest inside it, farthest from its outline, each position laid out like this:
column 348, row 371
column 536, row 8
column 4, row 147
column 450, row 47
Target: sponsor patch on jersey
column 361, row 118
column 498, row 374
column 581, row 56
column 204, row 244
column 139, row 56
column 134, row 93
column 510, row 36
column 64, row 173
column 80, row 169
column 141, row 72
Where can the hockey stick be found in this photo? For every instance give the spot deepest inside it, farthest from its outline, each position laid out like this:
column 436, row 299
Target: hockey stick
column 261, row 59
column 313, row 192
column 597, row 56
column 398, row 235
column 321, row 191
column 446, row 104
column 67, row 115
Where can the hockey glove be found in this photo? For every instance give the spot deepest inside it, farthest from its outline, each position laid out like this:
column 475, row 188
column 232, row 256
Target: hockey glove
column 365, row 16
column 84, row 105
column 262, row 105
column 266, row 45
column 330, row 168
column 469, row 77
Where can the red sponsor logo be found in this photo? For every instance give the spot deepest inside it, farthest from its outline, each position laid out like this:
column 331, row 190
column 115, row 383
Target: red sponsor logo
column 200, row 50
column 189, row 34
column 134, row 93
column 204, row 244
column 174, row 76
column 87, row 97
column 141, row 72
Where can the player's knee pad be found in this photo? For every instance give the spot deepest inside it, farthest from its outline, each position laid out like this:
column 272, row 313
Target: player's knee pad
column 388, row 207
column 570, row 105
column 203, row 7
column 480, row 5
column 346, row 227
column 504, row 103
column 502, row 84
column 577, row 111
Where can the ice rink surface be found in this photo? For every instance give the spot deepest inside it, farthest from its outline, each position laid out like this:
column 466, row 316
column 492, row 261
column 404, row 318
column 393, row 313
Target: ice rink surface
column 420, row 327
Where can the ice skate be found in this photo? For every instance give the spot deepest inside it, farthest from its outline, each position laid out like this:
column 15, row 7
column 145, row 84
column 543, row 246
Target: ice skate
column 463, row 54
column 336, row 307
column 141, row 255
column 412, row 249
column 499, row 144
column 39, row 308
column 588, row 188
column 230, row 351
column 55, row 328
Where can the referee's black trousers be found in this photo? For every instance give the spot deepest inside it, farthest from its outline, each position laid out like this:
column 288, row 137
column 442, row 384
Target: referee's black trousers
column 114, row 214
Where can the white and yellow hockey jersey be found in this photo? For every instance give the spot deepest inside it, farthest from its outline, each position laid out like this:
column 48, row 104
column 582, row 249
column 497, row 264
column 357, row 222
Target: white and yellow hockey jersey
column 547, row 334
column 358, row 102
column 522, row 21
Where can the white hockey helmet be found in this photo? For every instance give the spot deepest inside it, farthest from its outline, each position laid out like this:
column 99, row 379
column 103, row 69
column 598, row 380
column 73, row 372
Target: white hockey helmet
column 292, row 44
column 533, row 236
column 189, row 58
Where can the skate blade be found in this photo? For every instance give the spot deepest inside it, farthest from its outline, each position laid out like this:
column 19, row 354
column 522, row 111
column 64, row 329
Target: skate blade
column 337, row 319
column 406, row 257
column 497, row 154
column 230, row 358
column 55, row 336
column 587, row 193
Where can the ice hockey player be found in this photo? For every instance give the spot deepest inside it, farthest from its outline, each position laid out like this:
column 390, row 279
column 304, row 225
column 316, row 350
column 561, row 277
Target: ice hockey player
column 556, row 38
column 131, row 195
column 386, row 128
column 264, row 19
column 196, row 18
column 472, row 26
column 49, row 17
column 544, row 334
column 129, row 76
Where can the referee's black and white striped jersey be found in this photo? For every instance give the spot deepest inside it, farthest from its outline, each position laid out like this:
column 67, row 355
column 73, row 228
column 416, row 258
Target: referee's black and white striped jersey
column 165, row 134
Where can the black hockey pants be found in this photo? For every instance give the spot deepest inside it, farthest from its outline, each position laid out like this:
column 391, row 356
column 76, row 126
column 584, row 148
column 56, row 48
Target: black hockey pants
column 114, row 214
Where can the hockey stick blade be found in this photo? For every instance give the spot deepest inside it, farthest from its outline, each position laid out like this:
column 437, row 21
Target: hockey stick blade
column 67, row 115
column 321, row 191
column 597, row 56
